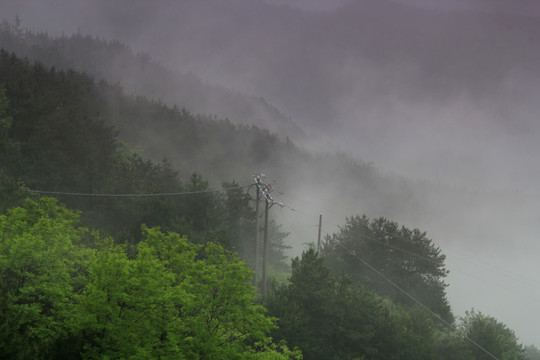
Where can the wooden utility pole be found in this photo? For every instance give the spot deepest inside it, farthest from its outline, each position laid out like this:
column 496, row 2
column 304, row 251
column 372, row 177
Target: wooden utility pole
column 265, row 245
column 319, row 237
column 257, row 231
column 268, row 202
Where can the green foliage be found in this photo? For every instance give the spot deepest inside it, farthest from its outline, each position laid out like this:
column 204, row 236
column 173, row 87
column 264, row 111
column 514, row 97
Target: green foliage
column 58, row 125
column 7, row 145
column 159, row 295
column 239, row 220
column 10, row 193
column 406, row 257
column 200, row 211
column 451, row 345
column 63, row 141
column 40, row 269
column 332, row 318
column 492, row 335
column 140, row 74
column 216, row 317
column 173, row 299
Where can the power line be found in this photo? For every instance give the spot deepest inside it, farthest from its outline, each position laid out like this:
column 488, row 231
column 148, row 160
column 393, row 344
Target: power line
column 477, row 263
column 137, row 195
column 369, row 238
column 490, row 267
column 418, row 302
column 453, row 269
column 435, row 315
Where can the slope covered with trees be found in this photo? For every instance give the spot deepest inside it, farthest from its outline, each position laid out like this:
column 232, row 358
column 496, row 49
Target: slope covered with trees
column 69, row 292
column 331, row 316
column 55, row 138
column 140, row 75
column 216, row 146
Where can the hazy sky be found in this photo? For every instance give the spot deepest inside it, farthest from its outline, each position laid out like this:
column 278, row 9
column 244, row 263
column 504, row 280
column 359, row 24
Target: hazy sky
column 444, row 91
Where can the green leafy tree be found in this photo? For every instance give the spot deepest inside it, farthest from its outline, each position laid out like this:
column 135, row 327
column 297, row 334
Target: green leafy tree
column 451, row 345
column 41, row 264
column 239, row 220
column 406, row 257
column 61, row 299
column 125, row 309
column 174, row 299
column 278, row 247
column 130, row 173
column 493, row 336
column 217, row 318
column 333, row 318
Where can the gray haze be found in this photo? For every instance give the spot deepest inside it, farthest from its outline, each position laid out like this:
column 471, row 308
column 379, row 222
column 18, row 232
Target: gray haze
column 441, row 92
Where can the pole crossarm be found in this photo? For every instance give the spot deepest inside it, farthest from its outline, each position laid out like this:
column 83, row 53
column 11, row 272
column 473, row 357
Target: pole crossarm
column 265, row 190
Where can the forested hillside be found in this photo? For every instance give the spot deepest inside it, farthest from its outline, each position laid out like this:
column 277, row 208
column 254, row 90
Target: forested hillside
column 174, row 291
column 140, row 75
column 55, row 139
column 162, row 124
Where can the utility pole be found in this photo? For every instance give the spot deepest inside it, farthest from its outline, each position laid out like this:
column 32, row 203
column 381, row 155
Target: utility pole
column 265, row 245
column 268, row 201
column 257, row 231
column 319, row 237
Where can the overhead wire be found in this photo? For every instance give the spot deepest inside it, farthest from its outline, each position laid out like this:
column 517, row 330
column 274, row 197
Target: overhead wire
column 414, row 299
column 44, row 192
column 364, row 236
column 490, row 267
column 418, row 302
column 404, row 291
column 475, row 262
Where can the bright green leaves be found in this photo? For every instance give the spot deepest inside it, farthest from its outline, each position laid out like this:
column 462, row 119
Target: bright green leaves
column 223, row 318
column 212, row 300
column 171, row 300
column 38, row 272
column 131, row 307
column 125, row 306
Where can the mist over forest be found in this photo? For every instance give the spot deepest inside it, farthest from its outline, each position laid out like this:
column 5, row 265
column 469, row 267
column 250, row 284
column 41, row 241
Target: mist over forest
column 421, row 114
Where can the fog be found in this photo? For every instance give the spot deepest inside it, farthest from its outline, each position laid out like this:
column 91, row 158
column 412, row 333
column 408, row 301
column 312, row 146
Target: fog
column 445, row 95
